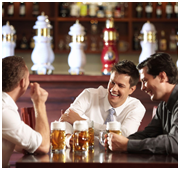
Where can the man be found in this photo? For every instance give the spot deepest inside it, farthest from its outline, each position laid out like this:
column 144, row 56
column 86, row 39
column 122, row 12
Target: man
column 159, row 77
column 95, row 104
column 15, row 133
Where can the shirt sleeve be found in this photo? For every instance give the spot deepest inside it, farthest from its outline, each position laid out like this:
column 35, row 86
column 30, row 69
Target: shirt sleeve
column 17, row 132
column 153, row 140
column 133, row 119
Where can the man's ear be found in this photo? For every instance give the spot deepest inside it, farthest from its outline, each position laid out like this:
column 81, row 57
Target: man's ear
column 22, row 82
column 163, row 77
column 132, row 89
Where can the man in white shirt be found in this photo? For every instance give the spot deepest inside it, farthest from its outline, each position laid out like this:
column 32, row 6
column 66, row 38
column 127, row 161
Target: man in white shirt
column 94, row 104
column 15, row 133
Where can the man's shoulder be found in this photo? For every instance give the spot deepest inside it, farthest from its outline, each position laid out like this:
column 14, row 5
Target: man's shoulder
column 100, row 91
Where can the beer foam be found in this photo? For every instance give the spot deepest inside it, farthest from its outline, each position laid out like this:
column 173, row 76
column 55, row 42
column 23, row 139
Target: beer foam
column 113, row 125
column 81, row 125
column 56, row 125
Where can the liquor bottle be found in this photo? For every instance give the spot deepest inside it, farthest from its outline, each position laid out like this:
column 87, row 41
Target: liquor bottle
column 24, row 43
column 172, row 40
column 169, row 10
column 100, row 12
column 136, row 43
column 162, row 42
column 2, row 9
column 109, row 10
column 139, row 9
column 176, row 10
column 22, row 9
column 83, row 10
column 159, row 10
column 92, row 10
column 10, row 9
column 117, row 11
column 35, row 9
column 149, row 10
column 74, row 10
column 64, row 9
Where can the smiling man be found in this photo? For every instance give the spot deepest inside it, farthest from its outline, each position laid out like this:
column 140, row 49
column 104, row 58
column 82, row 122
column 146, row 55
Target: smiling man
column 159, row 77
column 94, row 104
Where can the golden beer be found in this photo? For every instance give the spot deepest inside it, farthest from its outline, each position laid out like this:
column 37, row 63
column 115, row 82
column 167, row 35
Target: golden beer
column 81, row 141
column 58, row 140
column 91, row 138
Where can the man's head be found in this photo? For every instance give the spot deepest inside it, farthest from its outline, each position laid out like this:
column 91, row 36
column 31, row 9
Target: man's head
column 156, row 72
column 14, row 71
column 123, row 80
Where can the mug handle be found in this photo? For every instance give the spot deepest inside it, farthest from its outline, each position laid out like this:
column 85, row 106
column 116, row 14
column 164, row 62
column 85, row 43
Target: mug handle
column 101, row 137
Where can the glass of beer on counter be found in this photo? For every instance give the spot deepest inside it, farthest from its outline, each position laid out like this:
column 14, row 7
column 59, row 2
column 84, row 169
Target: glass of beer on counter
column 58, row 136
column 81, row 136
column 91, row 134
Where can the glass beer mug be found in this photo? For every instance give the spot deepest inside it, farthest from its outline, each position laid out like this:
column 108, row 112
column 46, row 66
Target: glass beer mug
column 58, row 136
column 91, row 133
column 81, row 136
column 110, row 127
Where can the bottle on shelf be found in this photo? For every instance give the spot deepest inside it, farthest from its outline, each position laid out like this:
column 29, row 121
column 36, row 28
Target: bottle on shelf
column 159, row 10
column 162, row 42
column 10, row 9
column 176, row 10
column 74, row 10
column 24, row 43
column 92, row 10
column 100, row 12
column 2, row 9
column 35, row 9
column 172, row 40
column 108, row 10
column 149, row 10
column 22, row 9
column 117, row 11
column 136, row 43
column 139, row 10
column 169, row 10
column 64, row 9
column 83, row 10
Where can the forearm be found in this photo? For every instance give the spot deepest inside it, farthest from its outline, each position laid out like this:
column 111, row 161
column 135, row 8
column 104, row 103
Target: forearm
column 42, row 126
column 163, row 144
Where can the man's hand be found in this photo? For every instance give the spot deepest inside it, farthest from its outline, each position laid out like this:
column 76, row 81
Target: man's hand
column 38, row 95
column 70, row 116
column 116, row 142
column 69, row 140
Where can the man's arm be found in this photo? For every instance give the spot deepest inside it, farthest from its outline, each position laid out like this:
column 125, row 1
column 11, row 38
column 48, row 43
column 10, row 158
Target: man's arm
column 39, row 97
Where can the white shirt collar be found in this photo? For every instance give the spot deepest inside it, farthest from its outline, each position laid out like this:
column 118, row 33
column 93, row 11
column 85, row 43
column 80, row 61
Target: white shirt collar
column 8, row 100
column 118, row 110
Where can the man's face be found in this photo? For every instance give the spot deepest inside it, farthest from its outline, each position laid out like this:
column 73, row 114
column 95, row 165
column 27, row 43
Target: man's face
column 151, row 85
column 118, row 89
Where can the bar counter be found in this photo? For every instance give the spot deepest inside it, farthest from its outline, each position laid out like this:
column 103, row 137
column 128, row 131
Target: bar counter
column 97, row 158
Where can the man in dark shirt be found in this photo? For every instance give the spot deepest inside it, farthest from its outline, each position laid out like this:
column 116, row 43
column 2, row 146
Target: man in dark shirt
column 159, row 78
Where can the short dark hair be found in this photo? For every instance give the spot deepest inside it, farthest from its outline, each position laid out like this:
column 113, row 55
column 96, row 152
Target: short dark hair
column 160, row 62
column 129, row 68
column 13, row 70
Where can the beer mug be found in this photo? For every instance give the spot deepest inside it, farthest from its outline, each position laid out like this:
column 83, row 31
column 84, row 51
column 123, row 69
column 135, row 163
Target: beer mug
column 91, row 133
column 110, row 127
column 58, row 136
column 81, row 136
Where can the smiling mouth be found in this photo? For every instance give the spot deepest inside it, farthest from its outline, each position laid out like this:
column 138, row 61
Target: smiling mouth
column 116, row 95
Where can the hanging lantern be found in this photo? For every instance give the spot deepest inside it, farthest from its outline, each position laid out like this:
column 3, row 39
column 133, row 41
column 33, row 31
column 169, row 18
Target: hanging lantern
column 148, row 41
column 8, row 40
column 42, row 55
column 77, row 57
column 109, row 54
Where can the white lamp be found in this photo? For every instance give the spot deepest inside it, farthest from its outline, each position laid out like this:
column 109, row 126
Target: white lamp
column 42, row 54
column 148, row 41
column 8, row 40
column 77, row 57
